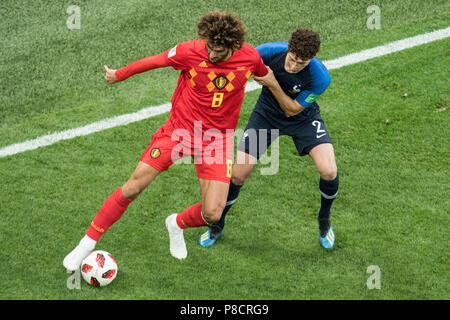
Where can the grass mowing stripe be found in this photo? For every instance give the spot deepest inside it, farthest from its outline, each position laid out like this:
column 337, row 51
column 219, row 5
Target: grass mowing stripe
column 152, row 111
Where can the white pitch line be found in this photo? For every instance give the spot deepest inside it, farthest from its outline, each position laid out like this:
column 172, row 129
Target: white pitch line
column 50, row 139
column 152, row 111
column 387, row 48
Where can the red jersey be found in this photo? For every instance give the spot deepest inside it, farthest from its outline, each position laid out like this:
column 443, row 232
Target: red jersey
column 208, row 92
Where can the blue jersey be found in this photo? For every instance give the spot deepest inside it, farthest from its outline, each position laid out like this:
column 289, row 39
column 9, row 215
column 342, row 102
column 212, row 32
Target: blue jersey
column 304, row 86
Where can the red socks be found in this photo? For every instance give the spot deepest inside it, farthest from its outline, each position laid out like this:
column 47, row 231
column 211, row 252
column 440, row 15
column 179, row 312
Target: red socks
column 110, row 212
column 113, row 208
column 191, row 217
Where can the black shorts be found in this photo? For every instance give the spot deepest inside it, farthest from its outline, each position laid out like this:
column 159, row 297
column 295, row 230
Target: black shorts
column 263, row 128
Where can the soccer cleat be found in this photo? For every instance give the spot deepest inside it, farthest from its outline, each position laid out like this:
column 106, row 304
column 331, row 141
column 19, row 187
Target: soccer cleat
column 326, row 234
column 210, row 236
column 73, row 260
column 177, row 244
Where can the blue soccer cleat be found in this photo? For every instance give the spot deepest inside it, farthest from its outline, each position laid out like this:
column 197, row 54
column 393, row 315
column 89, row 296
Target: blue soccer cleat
column 210, row 236
column 326, row 234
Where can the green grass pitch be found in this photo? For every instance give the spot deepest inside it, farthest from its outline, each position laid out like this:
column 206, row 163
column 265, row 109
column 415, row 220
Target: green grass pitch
column 389, row 119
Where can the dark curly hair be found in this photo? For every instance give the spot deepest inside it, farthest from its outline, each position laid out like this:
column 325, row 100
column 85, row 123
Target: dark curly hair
column 221, row 28
column 304, row 43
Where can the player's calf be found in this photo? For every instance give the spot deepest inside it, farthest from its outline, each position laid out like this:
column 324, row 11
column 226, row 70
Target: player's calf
column 213, row 199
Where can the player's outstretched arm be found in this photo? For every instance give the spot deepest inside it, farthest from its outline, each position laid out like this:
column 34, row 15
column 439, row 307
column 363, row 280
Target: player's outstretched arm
column 142, row 65
column 290, row 106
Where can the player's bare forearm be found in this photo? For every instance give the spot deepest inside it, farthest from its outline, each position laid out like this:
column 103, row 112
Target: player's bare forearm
column 290, row 106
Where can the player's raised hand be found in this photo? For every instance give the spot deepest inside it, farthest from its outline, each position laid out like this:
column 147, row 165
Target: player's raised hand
column 110, row 76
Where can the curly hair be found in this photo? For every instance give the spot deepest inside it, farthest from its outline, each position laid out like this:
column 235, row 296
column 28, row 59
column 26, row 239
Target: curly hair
column 221, row 28
column 304, row 43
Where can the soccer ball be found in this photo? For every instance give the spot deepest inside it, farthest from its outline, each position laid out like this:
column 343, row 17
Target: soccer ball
column 99, row 268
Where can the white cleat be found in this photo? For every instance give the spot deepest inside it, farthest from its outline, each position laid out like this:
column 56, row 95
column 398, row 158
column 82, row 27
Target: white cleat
column 177, row 244
column 73, row 260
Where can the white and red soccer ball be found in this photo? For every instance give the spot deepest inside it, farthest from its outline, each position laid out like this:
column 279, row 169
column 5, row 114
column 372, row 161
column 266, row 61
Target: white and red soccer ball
column 99, row 268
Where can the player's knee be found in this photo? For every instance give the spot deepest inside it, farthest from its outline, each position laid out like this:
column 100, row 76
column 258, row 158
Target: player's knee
column 132, row 189
column 241, row 173
column 328, row 173
column 213, row 213
column 239, row 178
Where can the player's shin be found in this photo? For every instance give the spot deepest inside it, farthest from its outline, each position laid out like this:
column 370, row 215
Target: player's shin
column 233, row 194
column 111, row 211
column 191, row 217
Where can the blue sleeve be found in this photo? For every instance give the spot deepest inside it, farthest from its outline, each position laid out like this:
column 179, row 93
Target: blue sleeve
column 320, row 78
column 270, row 49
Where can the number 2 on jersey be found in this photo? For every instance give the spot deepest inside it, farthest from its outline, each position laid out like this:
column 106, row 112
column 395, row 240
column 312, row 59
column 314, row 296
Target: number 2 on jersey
column 320, row 132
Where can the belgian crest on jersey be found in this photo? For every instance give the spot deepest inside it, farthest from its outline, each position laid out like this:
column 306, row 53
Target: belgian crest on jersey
column 220, row 82
column 155, row 153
